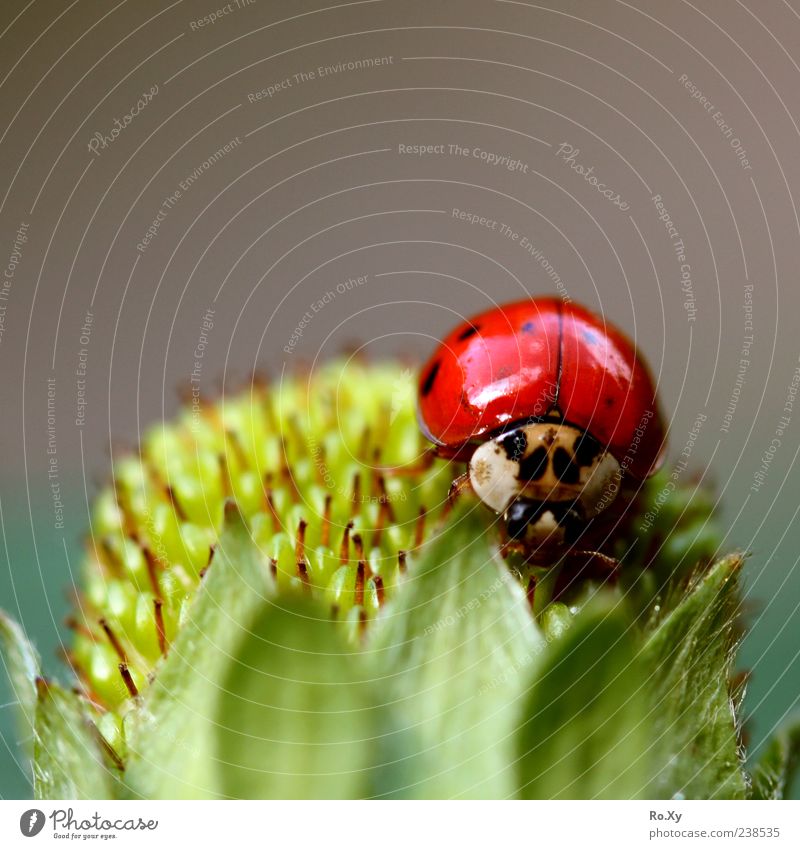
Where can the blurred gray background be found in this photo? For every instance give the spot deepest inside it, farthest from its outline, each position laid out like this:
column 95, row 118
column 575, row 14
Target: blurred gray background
column 164, row 159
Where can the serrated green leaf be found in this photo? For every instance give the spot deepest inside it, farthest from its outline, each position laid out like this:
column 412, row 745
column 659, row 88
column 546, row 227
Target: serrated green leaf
column 69, row 762
column 451, row 658
column 170, row 734
column 778, row 765
column 22, row 667
column 294, row 717
column 690, row 657
column 584, row 733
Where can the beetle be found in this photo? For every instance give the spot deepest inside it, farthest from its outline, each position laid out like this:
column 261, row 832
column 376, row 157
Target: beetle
column 553, row 411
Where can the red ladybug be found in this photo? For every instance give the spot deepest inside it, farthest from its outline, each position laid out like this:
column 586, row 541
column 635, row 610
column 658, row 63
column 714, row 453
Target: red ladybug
column 551, row 408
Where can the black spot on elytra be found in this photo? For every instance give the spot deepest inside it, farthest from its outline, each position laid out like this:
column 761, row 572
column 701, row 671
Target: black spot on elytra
column 465, row 334
column 528, row 327
column 533, row 467
column 609, row 401
column 586, row 449
column 566, row 471
column 515, row 444
column 427, row 384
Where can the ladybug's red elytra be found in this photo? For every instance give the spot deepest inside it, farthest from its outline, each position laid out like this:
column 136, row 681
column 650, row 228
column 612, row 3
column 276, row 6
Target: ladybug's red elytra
column 550, row 407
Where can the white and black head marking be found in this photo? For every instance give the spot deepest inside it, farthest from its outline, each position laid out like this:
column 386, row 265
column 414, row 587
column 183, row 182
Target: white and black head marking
column 548, row 478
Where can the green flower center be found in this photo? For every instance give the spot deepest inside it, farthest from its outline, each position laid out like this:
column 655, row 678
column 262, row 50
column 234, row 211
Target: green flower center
column 304, row 461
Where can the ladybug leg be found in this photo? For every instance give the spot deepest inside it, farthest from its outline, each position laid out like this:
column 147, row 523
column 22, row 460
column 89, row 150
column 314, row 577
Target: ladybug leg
column 459, row 485
column 420, row 465
column 512, row 546
column 583, row 565
column 603, row 565
column 460, row 454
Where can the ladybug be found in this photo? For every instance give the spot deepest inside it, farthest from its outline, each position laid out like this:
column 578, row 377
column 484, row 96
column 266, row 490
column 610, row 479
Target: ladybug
column 552, row 410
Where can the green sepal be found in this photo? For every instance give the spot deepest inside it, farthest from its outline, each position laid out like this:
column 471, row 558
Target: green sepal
column 452, row 657
column 170, row 731
column 778, row 765
column 584, row 732
column 70, row 761
column 294, row 717
column 21, row 663
column 689, row 656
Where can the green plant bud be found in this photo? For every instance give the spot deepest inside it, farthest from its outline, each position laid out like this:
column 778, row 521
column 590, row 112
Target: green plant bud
column 296, row 514
column 282, row 552
column 102, row 668
column 556, row 620
column 690, row 545
column 342, row 591
column 373, row 596
column 248, row 492
column 377, row 561
column 393, row 538
column 666, row 504
column 322, row 566
column 110, row 726
column 147, row 632
column 208, row 467
column 354, row 621
column 174, row 584
column 307, row 463
column 121, row 603
column 107, row 518
column 163, row 449
column 196, row 543
column 163, row 533
column 262, row 589
column 193, row 500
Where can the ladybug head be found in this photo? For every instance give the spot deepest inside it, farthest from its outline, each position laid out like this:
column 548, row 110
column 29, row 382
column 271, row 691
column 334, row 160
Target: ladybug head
column 546, row 477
